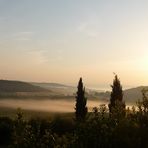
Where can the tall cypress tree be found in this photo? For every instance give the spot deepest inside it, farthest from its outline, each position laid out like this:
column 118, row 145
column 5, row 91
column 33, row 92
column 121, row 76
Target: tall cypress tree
column 81, row 101
column 116, row 98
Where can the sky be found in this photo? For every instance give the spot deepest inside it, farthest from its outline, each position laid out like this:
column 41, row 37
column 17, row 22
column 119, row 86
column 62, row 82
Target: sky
column 63, row 40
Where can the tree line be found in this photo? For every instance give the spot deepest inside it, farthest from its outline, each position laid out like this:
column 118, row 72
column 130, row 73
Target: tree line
column 114, row 126
column 116, row 99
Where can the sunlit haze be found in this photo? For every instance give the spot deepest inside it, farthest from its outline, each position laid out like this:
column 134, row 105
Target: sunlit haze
column 62, row 40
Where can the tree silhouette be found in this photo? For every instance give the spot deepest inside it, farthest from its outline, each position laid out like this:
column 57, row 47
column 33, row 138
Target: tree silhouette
column 116, row 99
column 81, row 100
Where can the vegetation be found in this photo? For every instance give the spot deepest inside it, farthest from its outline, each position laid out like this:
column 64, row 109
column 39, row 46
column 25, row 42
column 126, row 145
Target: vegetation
column 98, row 129
column 116, row 98
column 81, row 100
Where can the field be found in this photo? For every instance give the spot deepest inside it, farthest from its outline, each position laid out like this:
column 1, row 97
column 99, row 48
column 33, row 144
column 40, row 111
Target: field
column 28, row 114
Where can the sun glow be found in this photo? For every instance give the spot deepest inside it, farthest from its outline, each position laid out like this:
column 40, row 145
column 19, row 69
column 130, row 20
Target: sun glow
column 143, row 64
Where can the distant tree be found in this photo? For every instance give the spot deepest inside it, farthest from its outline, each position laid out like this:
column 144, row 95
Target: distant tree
column 142, row 117
column 116, row 98
column 143, row 104
column 81, row 101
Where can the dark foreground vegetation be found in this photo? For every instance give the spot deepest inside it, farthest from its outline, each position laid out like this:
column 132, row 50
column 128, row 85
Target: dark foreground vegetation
column 98, row 130
column 112, row 126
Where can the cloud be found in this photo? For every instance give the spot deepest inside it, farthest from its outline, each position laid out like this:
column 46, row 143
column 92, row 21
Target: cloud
column 23, row 36
column 89, row 28
column 44, row 57
column 38, row 56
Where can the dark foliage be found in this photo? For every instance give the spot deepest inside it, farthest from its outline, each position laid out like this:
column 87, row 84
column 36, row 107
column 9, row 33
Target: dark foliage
column 98, row 130
column 116, row 98
column 6, row 130
column 81, row 100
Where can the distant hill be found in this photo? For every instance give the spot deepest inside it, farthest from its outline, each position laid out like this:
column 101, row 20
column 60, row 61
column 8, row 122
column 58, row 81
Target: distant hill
column 58, row 89
column 18, row 86
column 50, row 85
column 134, row 94
column 61, row 89
column 130, row 95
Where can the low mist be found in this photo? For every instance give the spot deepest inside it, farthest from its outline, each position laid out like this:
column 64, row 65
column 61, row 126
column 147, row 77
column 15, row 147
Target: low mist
column 46, row 105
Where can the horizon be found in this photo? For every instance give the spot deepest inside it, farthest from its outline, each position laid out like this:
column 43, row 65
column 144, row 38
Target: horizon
column 61, row 41
column 95, row 87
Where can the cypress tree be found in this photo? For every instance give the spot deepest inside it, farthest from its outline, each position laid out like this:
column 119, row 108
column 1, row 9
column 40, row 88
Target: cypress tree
column 81, row 101
column 116, row 98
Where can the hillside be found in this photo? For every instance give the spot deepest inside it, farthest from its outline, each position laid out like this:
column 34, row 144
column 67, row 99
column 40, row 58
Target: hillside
column 134, row 94
column 131, row 95
column 58, row 89
column 18, row 86
column 49, row 85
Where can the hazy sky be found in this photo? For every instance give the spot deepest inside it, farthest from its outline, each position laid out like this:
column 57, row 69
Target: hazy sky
column 61, row 40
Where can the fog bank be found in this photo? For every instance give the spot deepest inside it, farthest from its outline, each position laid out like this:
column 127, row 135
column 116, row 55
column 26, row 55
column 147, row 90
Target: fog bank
column 46, row 105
